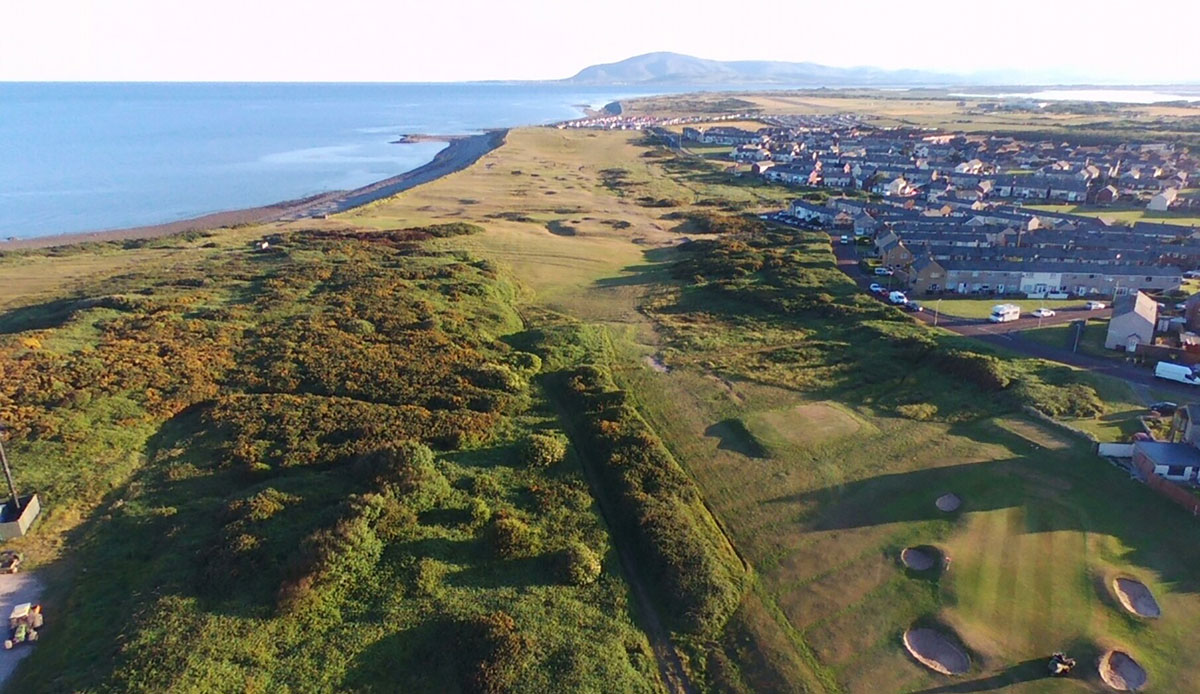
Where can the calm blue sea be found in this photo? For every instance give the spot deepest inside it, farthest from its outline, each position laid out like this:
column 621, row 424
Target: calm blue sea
column 83, row 157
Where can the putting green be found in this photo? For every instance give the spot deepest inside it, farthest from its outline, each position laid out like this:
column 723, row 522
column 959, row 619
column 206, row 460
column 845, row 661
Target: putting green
column 804, row 425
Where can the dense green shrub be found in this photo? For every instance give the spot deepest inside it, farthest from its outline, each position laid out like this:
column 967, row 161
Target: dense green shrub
column 544, row 450
column 580, row 565
column 1071, row 400
column 512, row 538
column 494, row 652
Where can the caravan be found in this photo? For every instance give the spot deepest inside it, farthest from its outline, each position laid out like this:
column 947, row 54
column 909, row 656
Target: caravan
column 1003, row 313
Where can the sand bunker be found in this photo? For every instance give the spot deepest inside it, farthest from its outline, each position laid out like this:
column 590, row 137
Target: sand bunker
column 918, row 558
column 1121, row 672
column 936, row 652
column 948, row 502
column 1136, row 598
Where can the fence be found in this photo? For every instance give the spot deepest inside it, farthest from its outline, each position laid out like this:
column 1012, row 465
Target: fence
column 1174, row 355
column 1063, row 426
column 1167, row 488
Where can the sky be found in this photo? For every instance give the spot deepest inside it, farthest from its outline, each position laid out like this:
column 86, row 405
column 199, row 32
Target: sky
column 460, row 40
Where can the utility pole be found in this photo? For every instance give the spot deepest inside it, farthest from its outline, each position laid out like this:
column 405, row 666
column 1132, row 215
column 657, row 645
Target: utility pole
column 12, row 488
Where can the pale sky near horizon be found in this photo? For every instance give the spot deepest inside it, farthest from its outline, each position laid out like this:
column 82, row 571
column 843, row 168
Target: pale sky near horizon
column 454, row 40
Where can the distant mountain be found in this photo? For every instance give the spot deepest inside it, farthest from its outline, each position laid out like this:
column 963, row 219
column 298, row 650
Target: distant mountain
column 675, row 68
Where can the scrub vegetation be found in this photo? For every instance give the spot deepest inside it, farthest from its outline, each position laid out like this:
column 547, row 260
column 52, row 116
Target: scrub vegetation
column 309, row 469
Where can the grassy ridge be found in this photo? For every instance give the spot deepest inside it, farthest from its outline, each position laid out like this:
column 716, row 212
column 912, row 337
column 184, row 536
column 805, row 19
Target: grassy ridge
column 309, row 469
column 696, row 572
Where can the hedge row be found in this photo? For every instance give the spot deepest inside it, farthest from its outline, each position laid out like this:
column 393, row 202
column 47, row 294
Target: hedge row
column 657, row 507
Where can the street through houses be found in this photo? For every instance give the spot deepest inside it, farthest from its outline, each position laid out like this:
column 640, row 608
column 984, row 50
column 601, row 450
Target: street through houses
column 1010, row 335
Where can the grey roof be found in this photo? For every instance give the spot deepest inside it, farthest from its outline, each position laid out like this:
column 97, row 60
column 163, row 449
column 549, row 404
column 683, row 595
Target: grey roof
column 1136, row 302
column 1162, row 453
column 1072, row 268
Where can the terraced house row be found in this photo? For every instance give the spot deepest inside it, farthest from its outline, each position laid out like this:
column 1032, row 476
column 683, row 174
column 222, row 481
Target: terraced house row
column 843, row 152
column 979, row 249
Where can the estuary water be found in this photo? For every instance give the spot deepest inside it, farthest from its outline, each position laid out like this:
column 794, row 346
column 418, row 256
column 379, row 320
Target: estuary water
column 85, row 157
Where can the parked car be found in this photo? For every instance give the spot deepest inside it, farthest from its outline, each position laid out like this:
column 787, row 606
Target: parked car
column 914, row 307
column 1164, row 408
column 884, row 271
column 1043, row 313
column 898, row 298
column 1094, row 305
column 876, row 288
column 1192, row 274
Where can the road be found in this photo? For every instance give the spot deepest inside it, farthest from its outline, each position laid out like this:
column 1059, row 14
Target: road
column 1009, row 335
column 15, row 589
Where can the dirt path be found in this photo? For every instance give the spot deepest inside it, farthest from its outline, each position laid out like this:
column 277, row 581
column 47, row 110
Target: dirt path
column 670, row 665
column 15, row 589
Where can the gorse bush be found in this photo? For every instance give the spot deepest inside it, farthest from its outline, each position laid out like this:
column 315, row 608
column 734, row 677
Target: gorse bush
column 580, row 565
column 495, row 652
column 544, row 450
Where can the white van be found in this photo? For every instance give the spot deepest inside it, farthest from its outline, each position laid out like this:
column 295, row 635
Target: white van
column 897, row 298
column 1003, row 313
column 1176, row 372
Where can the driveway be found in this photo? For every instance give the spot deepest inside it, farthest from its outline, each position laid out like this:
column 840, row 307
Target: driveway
column 14, row 590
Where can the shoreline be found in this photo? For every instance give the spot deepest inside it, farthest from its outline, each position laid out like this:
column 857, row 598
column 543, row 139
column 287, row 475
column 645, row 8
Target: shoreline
column 461, row 152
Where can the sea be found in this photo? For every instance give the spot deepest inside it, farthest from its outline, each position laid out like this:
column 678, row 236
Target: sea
column 84, row 157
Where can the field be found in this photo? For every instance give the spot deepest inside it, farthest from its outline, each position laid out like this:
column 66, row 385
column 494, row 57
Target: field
column 795, row 431
column 820, row 495
column 1091, row 342
column 1124, row 214
column 935, row 108
column 982, row 308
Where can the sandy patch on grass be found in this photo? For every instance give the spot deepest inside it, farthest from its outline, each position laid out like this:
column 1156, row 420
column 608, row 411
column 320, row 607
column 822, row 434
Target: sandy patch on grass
column 918, row 558
column 948, row 503
column 1121, row 672
column 936, row 651
column 656, row 364
column 1136, row 597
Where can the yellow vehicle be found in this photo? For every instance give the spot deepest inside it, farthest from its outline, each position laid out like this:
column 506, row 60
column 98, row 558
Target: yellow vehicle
column 23, row 624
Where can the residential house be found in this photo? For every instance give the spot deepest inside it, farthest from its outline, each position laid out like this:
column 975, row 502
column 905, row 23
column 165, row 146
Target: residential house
column 926, row 275
column 1107, row 195
column 893, row 253
column 1132, row 323
column 1178, row 462
column 750, row 152
column 1069, row 190
column 812, row 212
column 838, row 178
column 1163, row 200
column 793, row 175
